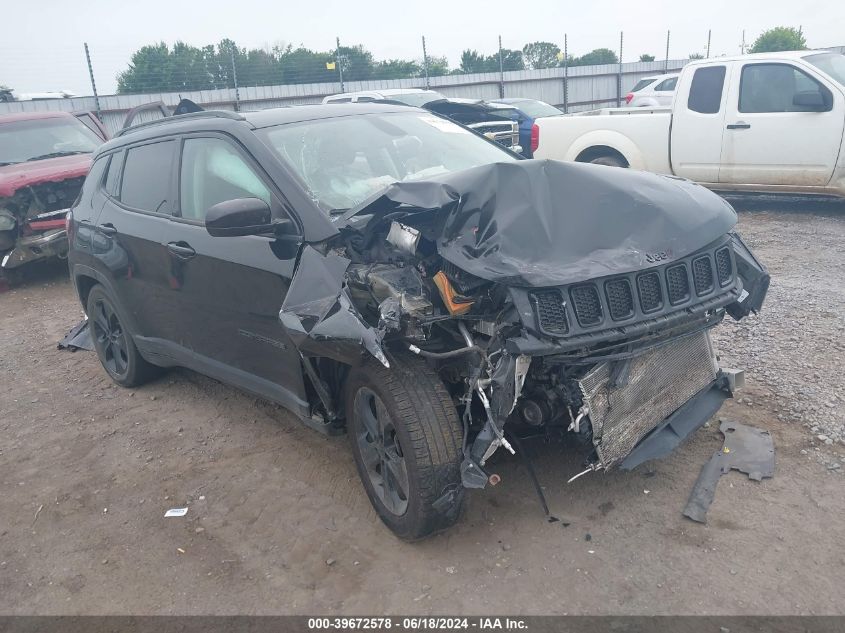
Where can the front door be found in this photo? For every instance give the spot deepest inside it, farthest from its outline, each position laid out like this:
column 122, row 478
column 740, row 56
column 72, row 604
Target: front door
column 783, row 127
column 229, row 290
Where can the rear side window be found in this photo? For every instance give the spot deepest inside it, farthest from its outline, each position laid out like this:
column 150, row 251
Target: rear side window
column 779, row 88
column 113, row 177
column 667, row 84
column 705, row 94
column 642, row 83
column 92, row 181
column 147, row 175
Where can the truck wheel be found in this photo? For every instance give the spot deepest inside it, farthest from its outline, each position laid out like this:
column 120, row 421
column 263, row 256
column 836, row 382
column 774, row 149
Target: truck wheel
column 610, row 161
column 407, row 441
column 113, row 344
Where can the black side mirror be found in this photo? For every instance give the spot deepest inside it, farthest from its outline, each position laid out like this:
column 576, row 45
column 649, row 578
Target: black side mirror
column 811, row 101
column 242, row 216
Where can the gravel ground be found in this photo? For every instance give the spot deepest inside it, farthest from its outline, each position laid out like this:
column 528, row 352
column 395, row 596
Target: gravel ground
column 795, row 346
column 278, row 522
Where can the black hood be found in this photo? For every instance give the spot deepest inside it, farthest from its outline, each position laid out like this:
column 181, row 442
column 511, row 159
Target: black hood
column 549, row 223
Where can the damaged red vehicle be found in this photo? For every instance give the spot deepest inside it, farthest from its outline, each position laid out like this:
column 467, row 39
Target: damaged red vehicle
column 44, row 158
column 385, row 272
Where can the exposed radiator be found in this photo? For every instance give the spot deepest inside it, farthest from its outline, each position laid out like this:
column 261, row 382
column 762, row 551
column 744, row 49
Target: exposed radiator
column 653, row 386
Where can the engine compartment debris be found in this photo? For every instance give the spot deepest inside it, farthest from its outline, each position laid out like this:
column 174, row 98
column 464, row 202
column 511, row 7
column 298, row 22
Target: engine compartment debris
column 544, row 308
column 746, row 449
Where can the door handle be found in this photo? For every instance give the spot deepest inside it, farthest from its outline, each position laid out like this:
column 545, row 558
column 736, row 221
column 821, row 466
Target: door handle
column 107, row 228
column 740, row 125
column 181, row 249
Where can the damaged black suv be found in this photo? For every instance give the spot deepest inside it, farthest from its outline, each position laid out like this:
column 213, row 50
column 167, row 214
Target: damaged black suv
column 385, row 272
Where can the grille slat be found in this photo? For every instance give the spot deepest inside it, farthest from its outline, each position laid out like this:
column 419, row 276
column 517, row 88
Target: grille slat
column 651, row 296
column 677, row 284
column 724, row 266
column 587, row 305
column 551, row 311
column 620, row 299
column 702, row 275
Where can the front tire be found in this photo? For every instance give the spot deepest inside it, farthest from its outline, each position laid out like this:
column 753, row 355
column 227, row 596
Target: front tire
column 113, row 343
column 407, row 442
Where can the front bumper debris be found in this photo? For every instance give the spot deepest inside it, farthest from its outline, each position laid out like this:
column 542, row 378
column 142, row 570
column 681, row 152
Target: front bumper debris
column 34, row 247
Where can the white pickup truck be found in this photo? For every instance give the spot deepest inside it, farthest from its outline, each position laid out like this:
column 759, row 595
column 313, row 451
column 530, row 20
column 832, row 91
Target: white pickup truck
column 771, row 122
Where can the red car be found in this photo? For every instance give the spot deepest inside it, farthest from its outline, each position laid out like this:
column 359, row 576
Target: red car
column 44, row 158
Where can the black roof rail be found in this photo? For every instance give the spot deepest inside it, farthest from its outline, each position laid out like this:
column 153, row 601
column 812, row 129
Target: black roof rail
column 205, row 114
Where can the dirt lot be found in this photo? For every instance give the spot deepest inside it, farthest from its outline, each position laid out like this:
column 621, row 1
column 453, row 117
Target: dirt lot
column 278, row 523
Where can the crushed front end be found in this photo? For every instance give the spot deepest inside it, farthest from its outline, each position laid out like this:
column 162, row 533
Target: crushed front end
column 553, row 299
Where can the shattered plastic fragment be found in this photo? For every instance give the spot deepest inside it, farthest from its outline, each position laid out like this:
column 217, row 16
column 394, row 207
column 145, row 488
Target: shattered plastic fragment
column 747, row 450
column 79, row 337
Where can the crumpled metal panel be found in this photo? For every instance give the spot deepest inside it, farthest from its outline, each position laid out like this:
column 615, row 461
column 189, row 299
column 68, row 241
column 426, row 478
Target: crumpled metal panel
column 319, row 315
column 548, row 223
column 626, row 403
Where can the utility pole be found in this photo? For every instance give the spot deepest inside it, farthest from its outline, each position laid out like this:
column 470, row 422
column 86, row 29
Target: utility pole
column 339, row 59
column 93, row 85
column 666, row 60
column 742, row 46
column 619, row 74
column 235, row 79
column 709, row 31
column 501, row 71
column 565, row 74
column 425, row 65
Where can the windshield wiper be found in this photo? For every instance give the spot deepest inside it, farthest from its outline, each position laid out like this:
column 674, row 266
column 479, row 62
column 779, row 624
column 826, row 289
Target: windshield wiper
column 57, row 154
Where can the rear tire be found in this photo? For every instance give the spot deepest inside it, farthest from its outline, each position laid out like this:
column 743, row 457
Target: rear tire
column 407, row 442
column 610, row 161
column 113, row 342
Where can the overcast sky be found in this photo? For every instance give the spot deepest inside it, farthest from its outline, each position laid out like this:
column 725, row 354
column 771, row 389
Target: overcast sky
column 42, row 44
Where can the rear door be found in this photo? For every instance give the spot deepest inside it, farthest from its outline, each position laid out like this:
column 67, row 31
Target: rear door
column 771, row 136
column 698, row 122
column 129, row 230
column 227, row 291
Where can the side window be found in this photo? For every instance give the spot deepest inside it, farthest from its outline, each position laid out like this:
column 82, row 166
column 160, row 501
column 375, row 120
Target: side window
column 146, row 177
column 213, row 171
column 340, row 100
column 705, row 93
column 365, row 99
column 113, row 176
column 780, row 88
column 667, row 84
column 92, row 181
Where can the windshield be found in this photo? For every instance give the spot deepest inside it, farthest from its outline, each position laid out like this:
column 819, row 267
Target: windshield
column 832, row 64
column 536, row 109
column 416, row 98
column 344, row 160
column 38, row 139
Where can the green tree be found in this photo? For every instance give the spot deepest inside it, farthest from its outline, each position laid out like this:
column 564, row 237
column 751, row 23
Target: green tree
column 781, row 38
column 396, row 69
column 695, row 56
column 645, row 57
column 438, row 66
column 540, row 55
column 596, row 57
column 473, row 62
column 511, row 59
